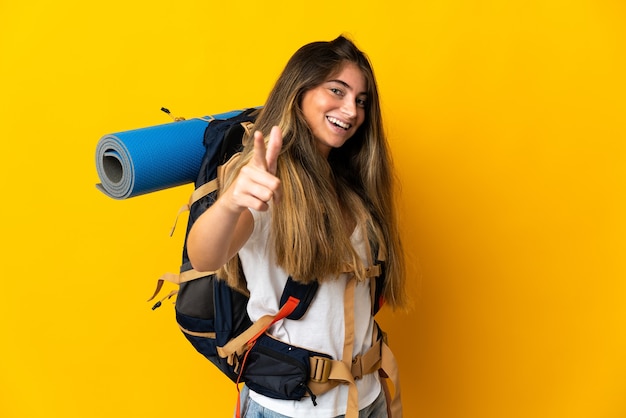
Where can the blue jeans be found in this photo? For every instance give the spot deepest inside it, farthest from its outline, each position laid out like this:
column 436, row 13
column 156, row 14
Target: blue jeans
column 251, row 409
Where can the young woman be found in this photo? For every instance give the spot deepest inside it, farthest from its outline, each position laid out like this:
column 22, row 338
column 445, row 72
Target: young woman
column 311, row 194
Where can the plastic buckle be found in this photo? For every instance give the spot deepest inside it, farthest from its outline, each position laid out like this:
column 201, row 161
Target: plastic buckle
column 373, row 271
column 320, row 369
column 357, row 368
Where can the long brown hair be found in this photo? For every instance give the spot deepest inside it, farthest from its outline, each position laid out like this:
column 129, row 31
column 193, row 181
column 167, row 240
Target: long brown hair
column 308, row 231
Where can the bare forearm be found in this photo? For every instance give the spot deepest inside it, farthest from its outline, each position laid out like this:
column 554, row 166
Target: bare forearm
column 217, row 235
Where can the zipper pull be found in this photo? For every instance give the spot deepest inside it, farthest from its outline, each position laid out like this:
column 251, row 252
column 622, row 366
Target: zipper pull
column 176, row 119
column 310, row 392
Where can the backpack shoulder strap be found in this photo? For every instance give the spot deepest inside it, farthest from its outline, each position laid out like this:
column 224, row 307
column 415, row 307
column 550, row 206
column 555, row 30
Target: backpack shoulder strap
column 303, row 292
column 292, row 306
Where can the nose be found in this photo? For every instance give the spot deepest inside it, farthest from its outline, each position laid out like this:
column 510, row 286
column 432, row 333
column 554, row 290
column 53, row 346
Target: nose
column 348, row 107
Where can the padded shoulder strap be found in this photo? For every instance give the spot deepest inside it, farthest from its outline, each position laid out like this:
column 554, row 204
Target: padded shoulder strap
column 303, row 292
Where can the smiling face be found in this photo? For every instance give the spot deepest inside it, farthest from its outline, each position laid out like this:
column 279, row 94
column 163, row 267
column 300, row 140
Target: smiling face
column 335, row 109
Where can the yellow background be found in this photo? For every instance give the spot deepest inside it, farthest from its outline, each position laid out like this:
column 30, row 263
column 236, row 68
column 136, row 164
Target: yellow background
column 506, row 123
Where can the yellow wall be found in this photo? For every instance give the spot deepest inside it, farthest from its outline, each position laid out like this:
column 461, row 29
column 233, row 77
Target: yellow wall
column 506, row 122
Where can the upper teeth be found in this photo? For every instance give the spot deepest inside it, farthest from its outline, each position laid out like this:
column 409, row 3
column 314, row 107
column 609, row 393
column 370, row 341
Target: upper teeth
column 338, row 122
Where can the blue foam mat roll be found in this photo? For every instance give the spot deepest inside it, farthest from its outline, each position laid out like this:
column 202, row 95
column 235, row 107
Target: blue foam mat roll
column 145, row 160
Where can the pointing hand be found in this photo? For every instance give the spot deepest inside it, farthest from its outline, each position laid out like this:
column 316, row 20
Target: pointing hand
column 257, row 184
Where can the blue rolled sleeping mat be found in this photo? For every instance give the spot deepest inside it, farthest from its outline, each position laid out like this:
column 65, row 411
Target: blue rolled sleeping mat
column 145, row 160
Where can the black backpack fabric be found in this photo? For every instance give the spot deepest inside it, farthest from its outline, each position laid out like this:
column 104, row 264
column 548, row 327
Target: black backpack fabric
column 206, row 304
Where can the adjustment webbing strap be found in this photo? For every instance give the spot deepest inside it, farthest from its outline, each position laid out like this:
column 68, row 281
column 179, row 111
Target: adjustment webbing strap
column 211, row 335
column 177, row 279
column 167, row 277
column 197, row 194
column 202, row 191
column 327, row 373
column 372, row 271
column 284, row 312
column 389, row 367
column 240, row 343
column 348, row 347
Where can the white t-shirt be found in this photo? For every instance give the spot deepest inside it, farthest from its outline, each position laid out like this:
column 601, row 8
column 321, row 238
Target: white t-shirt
column 320, row 329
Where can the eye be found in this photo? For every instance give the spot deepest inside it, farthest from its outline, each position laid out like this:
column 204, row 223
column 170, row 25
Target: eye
column 337, row 91
column 361, row 102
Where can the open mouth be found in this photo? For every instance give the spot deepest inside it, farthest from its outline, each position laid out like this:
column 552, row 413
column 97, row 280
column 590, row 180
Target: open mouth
column 338, row 123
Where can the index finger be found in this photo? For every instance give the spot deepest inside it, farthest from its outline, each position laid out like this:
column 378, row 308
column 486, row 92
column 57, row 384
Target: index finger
column 259, row 151
column 273, row 149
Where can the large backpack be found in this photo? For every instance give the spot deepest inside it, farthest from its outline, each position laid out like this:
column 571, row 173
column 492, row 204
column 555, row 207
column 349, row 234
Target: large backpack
column 213, row 317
